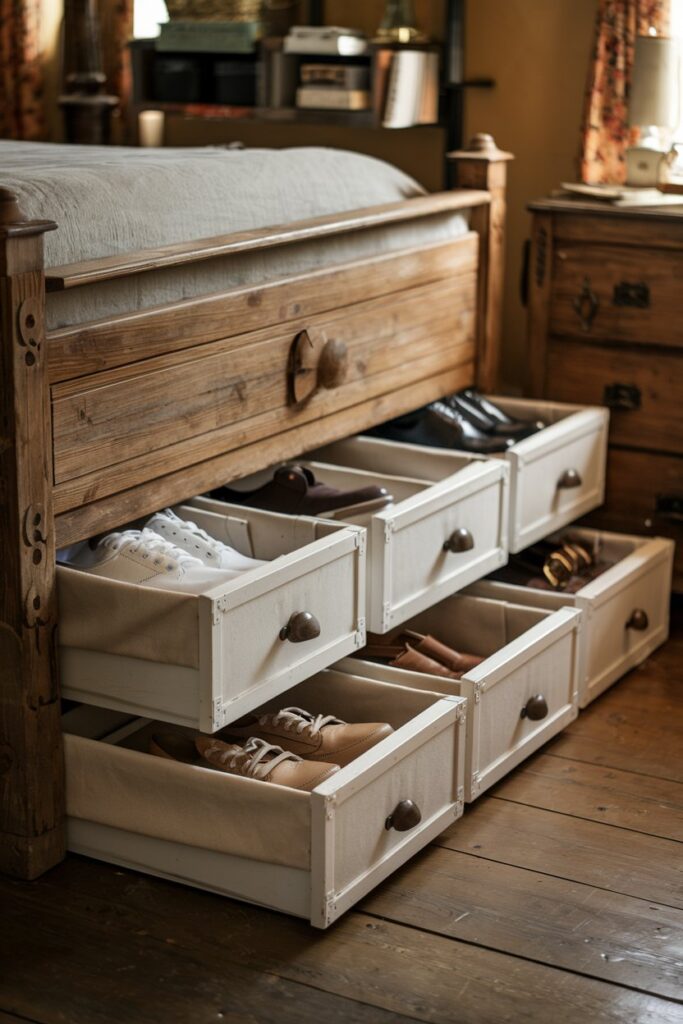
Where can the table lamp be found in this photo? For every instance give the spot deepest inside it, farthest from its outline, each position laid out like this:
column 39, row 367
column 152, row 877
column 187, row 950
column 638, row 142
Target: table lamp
column 653, row 107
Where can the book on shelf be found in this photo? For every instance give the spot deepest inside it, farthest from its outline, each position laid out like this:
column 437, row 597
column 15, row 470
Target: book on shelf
column 343, row 76
column 331, row 97
column 326, row 40
column 407, row 87
column 209, row 36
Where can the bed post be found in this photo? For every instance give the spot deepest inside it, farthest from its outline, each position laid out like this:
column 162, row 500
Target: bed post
column 482, row 165
column 31, row 761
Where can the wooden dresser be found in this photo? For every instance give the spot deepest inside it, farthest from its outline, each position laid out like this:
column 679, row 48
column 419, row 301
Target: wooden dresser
column 606, row 327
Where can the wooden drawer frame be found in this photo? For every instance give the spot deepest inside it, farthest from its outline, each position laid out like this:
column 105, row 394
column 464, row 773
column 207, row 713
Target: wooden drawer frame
column 38, row 517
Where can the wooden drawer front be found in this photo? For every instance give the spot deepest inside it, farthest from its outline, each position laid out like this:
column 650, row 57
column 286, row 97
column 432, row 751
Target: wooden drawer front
column 205, row 401
column 644, row 495
column 610, row 644
column 639, row 388
column 312, row 855
column 438, row 494
column 621, row 294
column 531, row 652
column 574, row 443
column 204, row 661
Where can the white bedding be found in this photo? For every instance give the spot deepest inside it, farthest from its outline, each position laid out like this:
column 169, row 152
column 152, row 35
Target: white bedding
column 109, row 200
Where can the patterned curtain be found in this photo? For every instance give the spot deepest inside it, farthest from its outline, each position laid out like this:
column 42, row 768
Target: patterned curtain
column 116, row 22
column 22, row 113
column 605, row 132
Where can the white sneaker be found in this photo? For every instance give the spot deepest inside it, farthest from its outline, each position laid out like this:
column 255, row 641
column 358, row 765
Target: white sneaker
column 145, row 558
column 191, row 538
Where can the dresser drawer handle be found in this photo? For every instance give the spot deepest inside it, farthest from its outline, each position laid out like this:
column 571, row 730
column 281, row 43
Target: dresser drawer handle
column 638, row 621
column 635, row 295
column 625, row 397
column 460, row 540
column 302, row 626
column 586, row 305
column 570, row 478
column 315, row 362
column 535, row 708
column 405, row 815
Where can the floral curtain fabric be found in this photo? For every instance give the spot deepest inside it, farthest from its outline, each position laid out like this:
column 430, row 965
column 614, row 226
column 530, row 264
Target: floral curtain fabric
column 605, row 132
column 22, row 112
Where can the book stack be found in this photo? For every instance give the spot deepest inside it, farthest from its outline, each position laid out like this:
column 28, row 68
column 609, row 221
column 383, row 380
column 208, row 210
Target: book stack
column 333, row 87
column 407, row 87
column 186, row 36
column 325, row 41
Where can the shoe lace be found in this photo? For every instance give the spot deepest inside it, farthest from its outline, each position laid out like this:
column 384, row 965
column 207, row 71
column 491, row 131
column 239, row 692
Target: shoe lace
column 150, row 543
column 215, row 546
column 256, row 758
column 299, row 720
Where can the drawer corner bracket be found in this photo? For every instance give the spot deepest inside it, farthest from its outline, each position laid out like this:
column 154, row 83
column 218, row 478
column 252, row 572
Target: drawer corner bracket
column 360, row 635
column 478, row 689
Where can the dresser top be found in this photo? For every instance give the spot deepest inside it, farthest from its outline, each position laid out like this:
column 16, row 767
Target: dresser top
column 605, row 209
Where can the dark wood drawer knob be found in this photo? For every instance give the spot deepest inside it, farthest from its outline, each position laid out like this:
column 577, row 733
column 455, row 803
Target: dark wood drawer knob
column 333, row 364
column 570, row 478
column 405, row 815
column 535, row 708
column 459, row 540
column 586, row 305
column 302, row 626
column 638, row 621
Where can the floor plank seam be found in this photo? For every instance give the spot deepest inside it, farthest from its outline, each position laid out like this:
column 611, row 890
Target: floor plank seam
column 562, row 878
column 611, row 767
column 597, row 821
column 527, row 959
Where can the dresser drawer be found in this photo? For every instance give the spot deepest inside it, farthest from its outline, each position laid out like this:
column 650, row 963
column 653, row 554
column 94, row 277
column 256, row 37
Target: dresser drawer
column 616, row 635
column 205, row 660
column 446, row 528
column 529, row 652
column 644, row 495
column 641, row 389
column 557, row 474
column 602, row 292
column 309, row 854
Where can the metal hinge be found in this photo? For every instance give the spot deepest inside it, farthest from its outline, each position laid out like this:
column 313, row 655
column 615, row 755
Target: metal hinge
column 360, row 541
column 389, row 527
column 217, row 713
column 478, row 688
column 330, row 807
column 330, row 906
column 220, row 606
column 360, row 636
column 386, row 615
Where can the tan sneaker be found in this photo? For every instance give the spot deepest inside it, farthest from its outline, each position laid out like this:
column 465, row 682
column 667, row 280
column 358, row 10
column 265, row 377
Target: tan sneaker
column 257, row 759
column 314, row 737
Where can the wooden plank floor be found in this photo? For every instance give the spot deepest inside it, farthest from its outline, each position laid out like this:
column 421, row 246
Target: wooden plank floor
column 557, row 899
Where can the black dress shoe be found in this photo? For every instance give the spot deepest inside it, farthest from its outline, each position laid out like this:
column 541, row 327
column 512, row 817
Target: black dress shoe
column 500, row 422
column 451, row 424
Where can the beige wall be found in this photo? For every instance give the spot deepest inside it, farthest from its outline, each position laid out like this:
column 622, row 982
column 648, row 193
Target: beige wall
column 538, row 52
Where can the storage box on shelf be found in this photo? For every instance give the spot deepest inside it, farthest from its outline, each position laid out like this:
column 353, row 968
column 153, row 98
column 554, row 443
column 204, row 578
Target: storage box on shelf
column 446, row 528
column 626, row 608
column 203, row 661
column 310, row 854
column 524, row 692
column 558, row 473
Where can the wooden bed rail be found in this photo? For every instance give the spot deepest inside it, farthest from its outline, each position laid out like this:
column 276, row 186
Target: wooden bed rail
column 107, row 268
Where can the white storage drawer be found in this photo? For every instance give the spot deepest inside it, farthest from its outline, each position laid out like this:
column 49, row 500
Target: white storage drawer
column 557, row 474
column 446, row 528
column 531, row 653
column 206, row 660
column 310, row 854
column 626, row 609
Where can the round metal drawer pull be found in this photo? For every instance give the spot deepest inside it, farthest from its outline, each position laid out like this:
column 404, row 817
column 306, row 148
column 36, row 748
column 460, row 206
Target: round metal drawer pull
column 638, row 620
column 570, row 478
column 301, row 626
column 459, row 540
column 405, row 815
column 535, row 708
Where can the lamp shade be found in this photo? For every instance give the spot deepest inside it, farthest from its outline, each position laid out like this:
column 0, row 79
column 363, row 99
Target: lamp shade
column 653, row 98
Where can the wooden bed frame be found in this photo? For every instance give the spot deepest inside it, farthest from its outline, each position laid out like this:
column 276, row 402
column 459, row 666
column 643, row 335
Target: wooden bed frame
column 87, row 443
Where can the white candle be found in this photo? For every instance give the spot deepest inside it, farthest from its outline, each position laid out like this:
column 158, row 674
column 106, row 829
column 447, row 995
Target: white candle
column 151, row 127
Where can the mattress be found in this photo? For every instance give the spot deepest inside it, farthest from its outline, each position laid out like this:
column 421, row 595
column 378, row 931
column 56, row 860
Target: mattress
column 111, row 200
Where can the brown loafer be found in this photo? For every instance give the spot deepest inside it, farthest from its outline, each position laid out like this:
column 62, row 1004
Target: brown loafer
column 175, row 747
column 295, row 491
